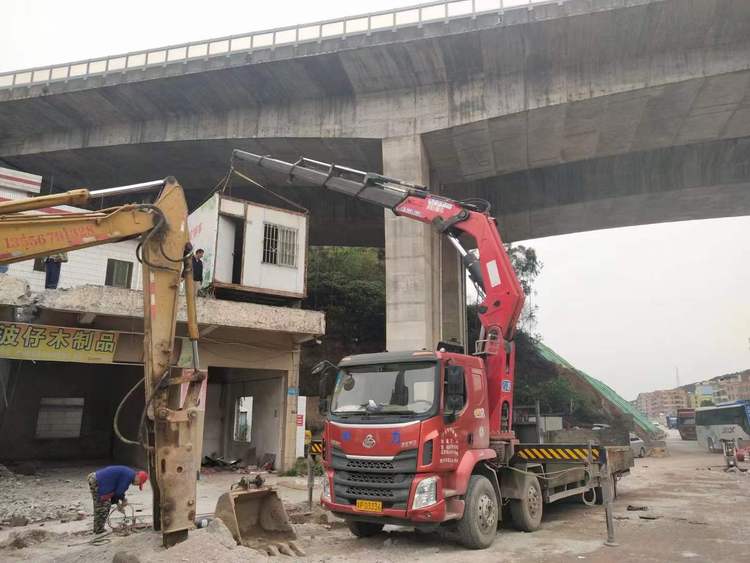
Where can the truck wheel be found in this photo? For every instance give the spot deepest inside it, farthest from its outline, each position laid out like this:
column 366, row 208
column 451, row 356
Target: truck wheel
column 527, row 511
column 478, row 526
column 642, row 452
column 363, row 529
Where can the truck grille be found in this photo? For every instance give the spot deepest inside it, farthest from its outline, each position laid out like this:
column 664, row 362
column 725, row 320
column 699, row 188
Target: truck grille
column 372, row 477
column 369, row 465
column 388, row 481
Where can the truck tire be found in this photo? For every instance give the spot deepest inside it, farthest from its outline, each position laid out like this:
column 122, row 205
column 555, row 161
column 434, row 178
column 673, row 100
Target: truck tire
column 478, row 526
column 363, row 529
column 642, row 452
column 527, row 511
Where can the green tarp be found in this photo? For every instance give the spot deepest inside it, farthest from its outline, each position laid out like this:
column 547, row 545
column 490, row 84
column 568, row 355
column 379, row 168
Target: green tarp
column 604, row 390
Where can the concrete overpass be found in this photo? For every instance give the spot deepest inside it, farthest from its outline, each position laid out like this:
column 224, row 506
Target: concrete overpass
column 567, row 116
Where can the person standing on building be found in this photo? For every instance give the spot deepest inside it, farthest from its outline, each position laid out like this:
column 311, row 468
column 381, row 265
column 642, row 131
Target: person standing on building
column 108, row 486
column 198, row 269
column 52, row 265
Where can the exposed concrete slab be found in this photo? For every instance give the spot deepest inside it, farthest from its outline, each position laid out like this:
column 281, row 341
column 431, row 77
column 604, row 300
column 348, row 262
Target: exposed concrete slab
column 14, row 291
column 699, row 109
column 116, row 302
column 414, row 82
column 698, row 181
column 200, row 165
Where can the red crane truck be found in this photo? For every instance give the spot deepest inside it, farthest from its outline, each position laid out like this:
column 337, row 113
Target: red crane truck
column 424, row 438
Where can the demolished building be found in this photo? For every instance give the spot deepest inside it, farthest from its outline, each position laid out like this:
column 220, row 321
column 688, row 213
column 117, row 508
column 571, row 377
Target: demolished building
column 69, row 356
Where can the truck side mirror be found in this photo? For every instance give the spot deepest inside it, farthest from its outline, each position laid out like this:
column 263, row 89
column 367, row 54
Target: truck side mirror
column 455, row 391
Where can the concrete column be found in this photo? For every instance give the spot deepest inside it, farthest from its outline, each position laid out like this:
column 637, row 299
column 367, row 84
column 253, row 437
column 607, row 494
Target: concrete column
column 412, row 257
column 289, row 423
column 424, row 279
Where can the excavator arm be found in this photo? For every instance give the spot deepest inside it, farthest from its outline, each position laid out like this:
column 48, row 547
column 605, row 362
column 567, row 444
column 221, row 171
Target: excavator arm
column 491, row 271
column 172, row 423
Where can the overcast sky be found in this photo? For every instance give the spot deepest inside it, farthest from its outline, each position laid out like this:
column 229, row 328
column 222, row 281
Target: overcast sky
column 626, row 305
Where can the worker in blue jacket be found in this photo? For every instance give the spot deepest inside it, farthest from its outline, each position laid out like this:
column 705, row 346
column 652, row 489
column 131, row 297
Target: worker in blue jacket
column 108, row 486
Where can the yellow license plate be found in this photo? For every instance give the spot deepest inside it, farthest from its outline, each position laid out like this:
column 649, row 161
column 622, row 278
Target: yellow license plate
column 370, row 505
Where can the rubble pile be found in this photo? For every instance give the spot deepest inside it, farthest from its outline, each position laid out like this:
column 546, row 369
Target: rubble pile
column 20, row 509
column 27, row 538
column 214, row 543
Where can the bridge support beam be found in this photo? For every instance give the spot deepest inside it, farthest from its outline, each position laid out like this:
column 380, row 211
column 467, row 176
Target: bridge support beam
column 424, row 283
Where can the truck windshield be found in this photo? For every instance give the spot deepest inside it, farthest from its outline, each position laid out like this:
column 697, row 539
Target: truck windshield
column 397, row 388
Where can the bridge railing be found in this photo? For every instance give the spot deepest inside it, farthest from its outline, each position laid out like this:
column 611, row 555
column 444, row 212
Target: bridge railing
column 446, row 10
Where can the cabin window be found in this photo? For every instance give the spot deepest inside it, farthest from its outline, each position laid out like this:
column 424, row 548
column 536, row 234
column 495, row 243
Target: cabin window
column 279, row 245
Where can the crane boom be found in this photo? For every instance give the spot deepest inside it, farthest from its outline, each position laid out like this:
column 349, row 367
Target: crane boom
column 492, row 273
column 173, row 425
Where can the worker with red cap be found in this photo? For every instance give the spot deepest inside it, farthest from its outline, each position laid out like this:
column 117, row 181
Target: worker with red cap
column 108, row 486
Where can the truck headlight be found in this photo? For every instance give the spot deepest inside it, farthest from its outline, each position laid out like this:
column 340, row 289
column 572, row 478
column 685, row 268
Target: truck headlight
column 326, row 494
column 426, row 493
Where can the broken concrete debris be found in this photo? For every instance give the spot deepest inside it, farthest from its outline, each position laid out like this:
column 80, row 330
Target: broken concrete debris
column 221, row 533
column 26, row 538
column 19, row 508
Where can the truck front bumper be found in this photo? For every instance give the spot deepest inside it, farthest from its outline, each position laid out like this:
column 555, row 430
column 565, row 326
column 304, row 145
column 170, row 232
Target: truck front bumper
column 433, row 514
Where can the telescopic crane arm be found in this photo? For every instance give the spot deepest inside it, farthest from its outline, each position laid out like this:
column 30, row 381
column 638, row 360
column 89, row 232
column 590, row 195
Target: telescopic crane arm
column 164, row 234
column 491, row 271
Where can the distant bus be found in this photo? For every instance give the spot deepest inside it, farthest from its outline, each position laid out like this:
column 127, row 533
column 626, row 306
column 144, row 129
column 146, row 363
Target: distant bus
column 726, row 421
column 686, row 424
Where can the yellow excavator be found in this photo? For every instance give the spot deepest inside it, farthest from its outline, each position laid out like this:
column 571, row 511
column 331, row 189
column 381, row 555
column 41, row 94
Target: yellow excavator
column 172, row 427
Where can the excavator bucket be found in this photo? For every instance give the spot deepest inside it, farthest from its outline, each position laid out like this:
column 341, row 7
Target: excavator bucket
column 257, row 519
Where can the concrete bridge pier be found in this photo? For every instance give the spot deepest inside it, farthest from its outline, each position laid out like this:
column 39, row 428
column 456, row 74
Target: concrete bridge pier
column 425, row 293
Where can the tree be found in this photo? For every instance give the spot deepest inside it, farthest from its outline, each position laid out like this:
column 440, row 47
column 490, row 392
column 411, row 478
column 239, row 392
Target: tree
column 348, row 285
column 527, row 266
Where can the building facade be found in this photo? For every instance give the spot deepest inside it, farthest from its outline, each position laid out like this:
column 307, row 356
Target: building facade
column 665, row 402
column 69, row 355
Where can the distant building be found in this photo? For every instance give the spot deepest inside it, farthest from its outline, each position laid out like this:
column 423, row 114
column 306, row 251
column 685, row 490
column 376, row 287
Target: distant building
column 704, row 394
column 732, row 387
column 721, row 389
column 656, row 404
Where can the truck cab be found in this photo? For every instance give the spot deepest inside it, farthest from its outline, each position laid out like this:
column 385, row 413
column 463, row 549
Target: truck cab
column 404, row 431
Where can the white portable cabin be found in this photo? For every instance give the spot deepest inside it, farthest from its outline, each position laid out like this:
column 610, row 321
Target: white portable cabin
column 251, row 247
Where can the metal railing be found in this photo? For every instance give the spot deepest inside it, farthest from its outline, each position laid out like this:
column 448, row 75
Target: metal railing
column 394, row 19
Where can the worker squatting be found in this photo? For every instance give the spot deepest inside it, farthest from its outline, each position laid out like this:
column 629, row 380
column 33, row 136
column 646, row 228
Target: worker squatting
column 108, row 487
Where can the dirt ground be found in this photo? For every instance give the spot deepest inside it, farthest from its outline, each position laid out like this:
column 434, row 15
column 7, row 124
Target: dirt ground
column 695, row 511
